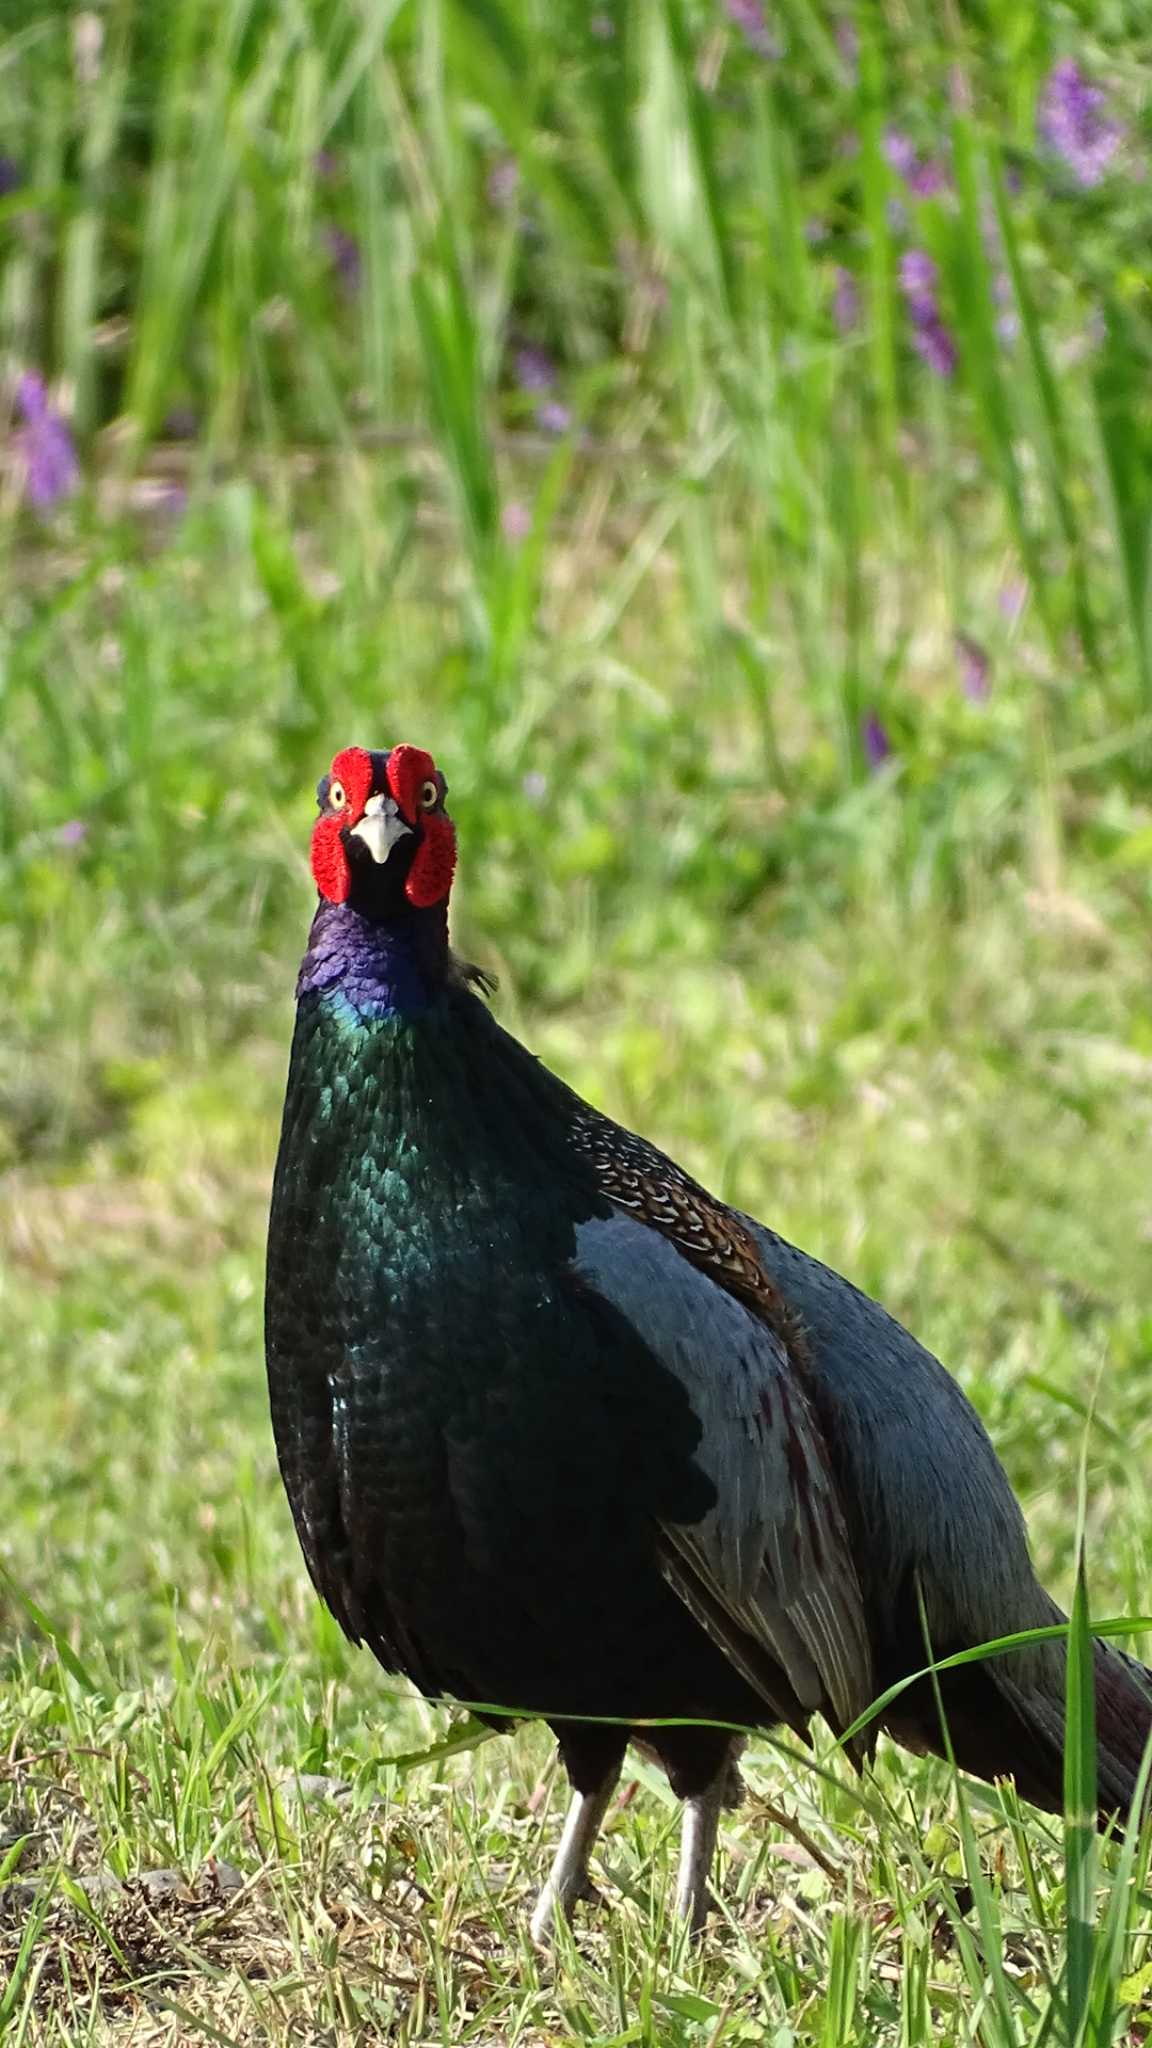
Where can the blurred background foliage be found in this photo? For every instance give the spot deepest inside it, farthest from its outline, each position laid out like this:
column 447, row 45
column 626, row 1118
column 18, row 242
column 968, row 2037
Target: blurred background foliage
column 723, row 431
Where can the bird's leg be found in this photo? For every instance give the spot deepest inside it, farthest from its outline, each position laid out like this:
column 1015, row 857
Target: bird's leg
column 568, row 1879
column 698, row 1831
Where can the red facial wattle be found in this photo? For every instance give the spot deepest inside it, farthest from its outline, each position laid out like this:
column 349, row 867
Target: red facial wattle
column 330, row 870
column 411, row 773
column 430, row 876
column 352, row 772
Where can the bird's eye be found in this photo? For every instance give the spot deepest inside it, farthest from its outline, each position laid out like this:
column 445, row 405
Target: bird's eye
column 429, row 794
column 336, row 796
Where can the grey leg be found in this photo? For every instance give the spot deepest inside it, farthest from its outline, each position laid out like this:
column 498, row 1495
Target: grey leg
column 568, row 1878
column 698, row 1831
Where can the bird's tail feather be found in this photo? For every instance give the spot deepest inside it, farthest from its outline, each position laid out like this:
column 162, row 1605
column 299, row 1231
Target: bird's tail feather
column 1006, row 1719
column 1123, row 1728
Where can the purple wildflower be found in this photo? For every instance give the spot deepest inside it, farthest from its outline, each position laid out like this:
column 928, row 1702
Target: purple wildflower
column 930, row 337
column 924, row 176
column 536, row 375
column 1013, row 598
column 749, row 18
column 974, row 667
column 900, row 152
column 535, row 370
column 515, row 520
column 347, row 260
column 602, row 27
column 877, row 745
column 45, row 445
column 326, row 164
column 553, row 417
column 73, row 833
column 927, row 178
column 934, row 345
column 11, row 177
column 918, row 275
column 845, row 300
column 1073, row 125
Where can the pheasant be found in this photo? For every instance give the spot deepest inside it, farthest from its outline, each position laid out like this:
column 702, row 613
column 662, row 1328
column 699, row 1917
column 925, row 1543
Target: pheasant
column 563, row 1434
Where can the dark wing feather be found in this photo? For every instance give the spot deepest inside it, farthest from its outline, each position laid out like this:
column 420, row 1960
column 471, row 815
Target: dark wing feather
column 769, row 1569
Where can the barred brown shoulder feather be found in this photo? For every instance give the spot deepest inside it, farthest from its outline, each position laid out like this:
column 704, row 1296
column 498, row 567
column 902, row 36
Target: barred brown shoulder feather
column 640, row 1178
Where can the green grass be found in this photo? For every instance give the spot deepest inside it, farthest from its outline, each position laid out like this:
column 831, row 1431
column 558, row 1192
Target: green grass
column 902, row 1015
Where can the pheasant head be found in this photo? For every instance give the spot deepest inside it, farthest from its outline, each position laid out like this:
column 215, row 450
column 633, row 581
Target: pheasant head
column 383, row 841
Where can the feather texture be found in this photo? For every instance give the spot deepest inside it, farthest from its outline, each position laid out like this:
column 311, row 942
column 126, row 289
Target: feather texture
column 770, row 1563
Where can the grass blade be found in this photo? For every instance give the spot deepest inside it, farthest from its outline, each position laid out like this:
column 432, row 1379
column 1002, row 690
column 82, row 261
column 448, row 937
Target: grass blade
column 1080, row 1810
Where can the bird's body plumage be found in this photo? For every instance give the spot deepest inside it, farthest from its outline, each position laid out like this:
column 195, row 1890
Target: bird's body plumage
column 480, row 1444
column 565, row 1436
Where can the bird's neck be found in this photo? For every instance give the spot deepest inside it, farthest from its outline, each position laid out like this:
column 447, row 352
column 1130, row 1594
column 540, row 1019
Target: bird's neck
column 374, row 968
column 394, row 1057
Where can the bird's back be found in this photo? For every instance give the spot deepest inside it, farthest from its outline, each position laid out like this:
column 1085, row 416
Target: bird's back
column 923, row 1486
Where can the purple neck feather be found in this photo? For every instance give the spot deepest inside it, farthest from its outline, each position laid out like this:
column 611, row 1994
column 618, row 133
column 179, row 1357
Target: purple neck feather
column 400, row 965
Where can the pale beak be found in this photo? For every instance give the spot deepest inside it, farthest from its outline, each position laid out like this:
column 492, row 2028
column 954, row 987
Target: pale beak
column 380, row 827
